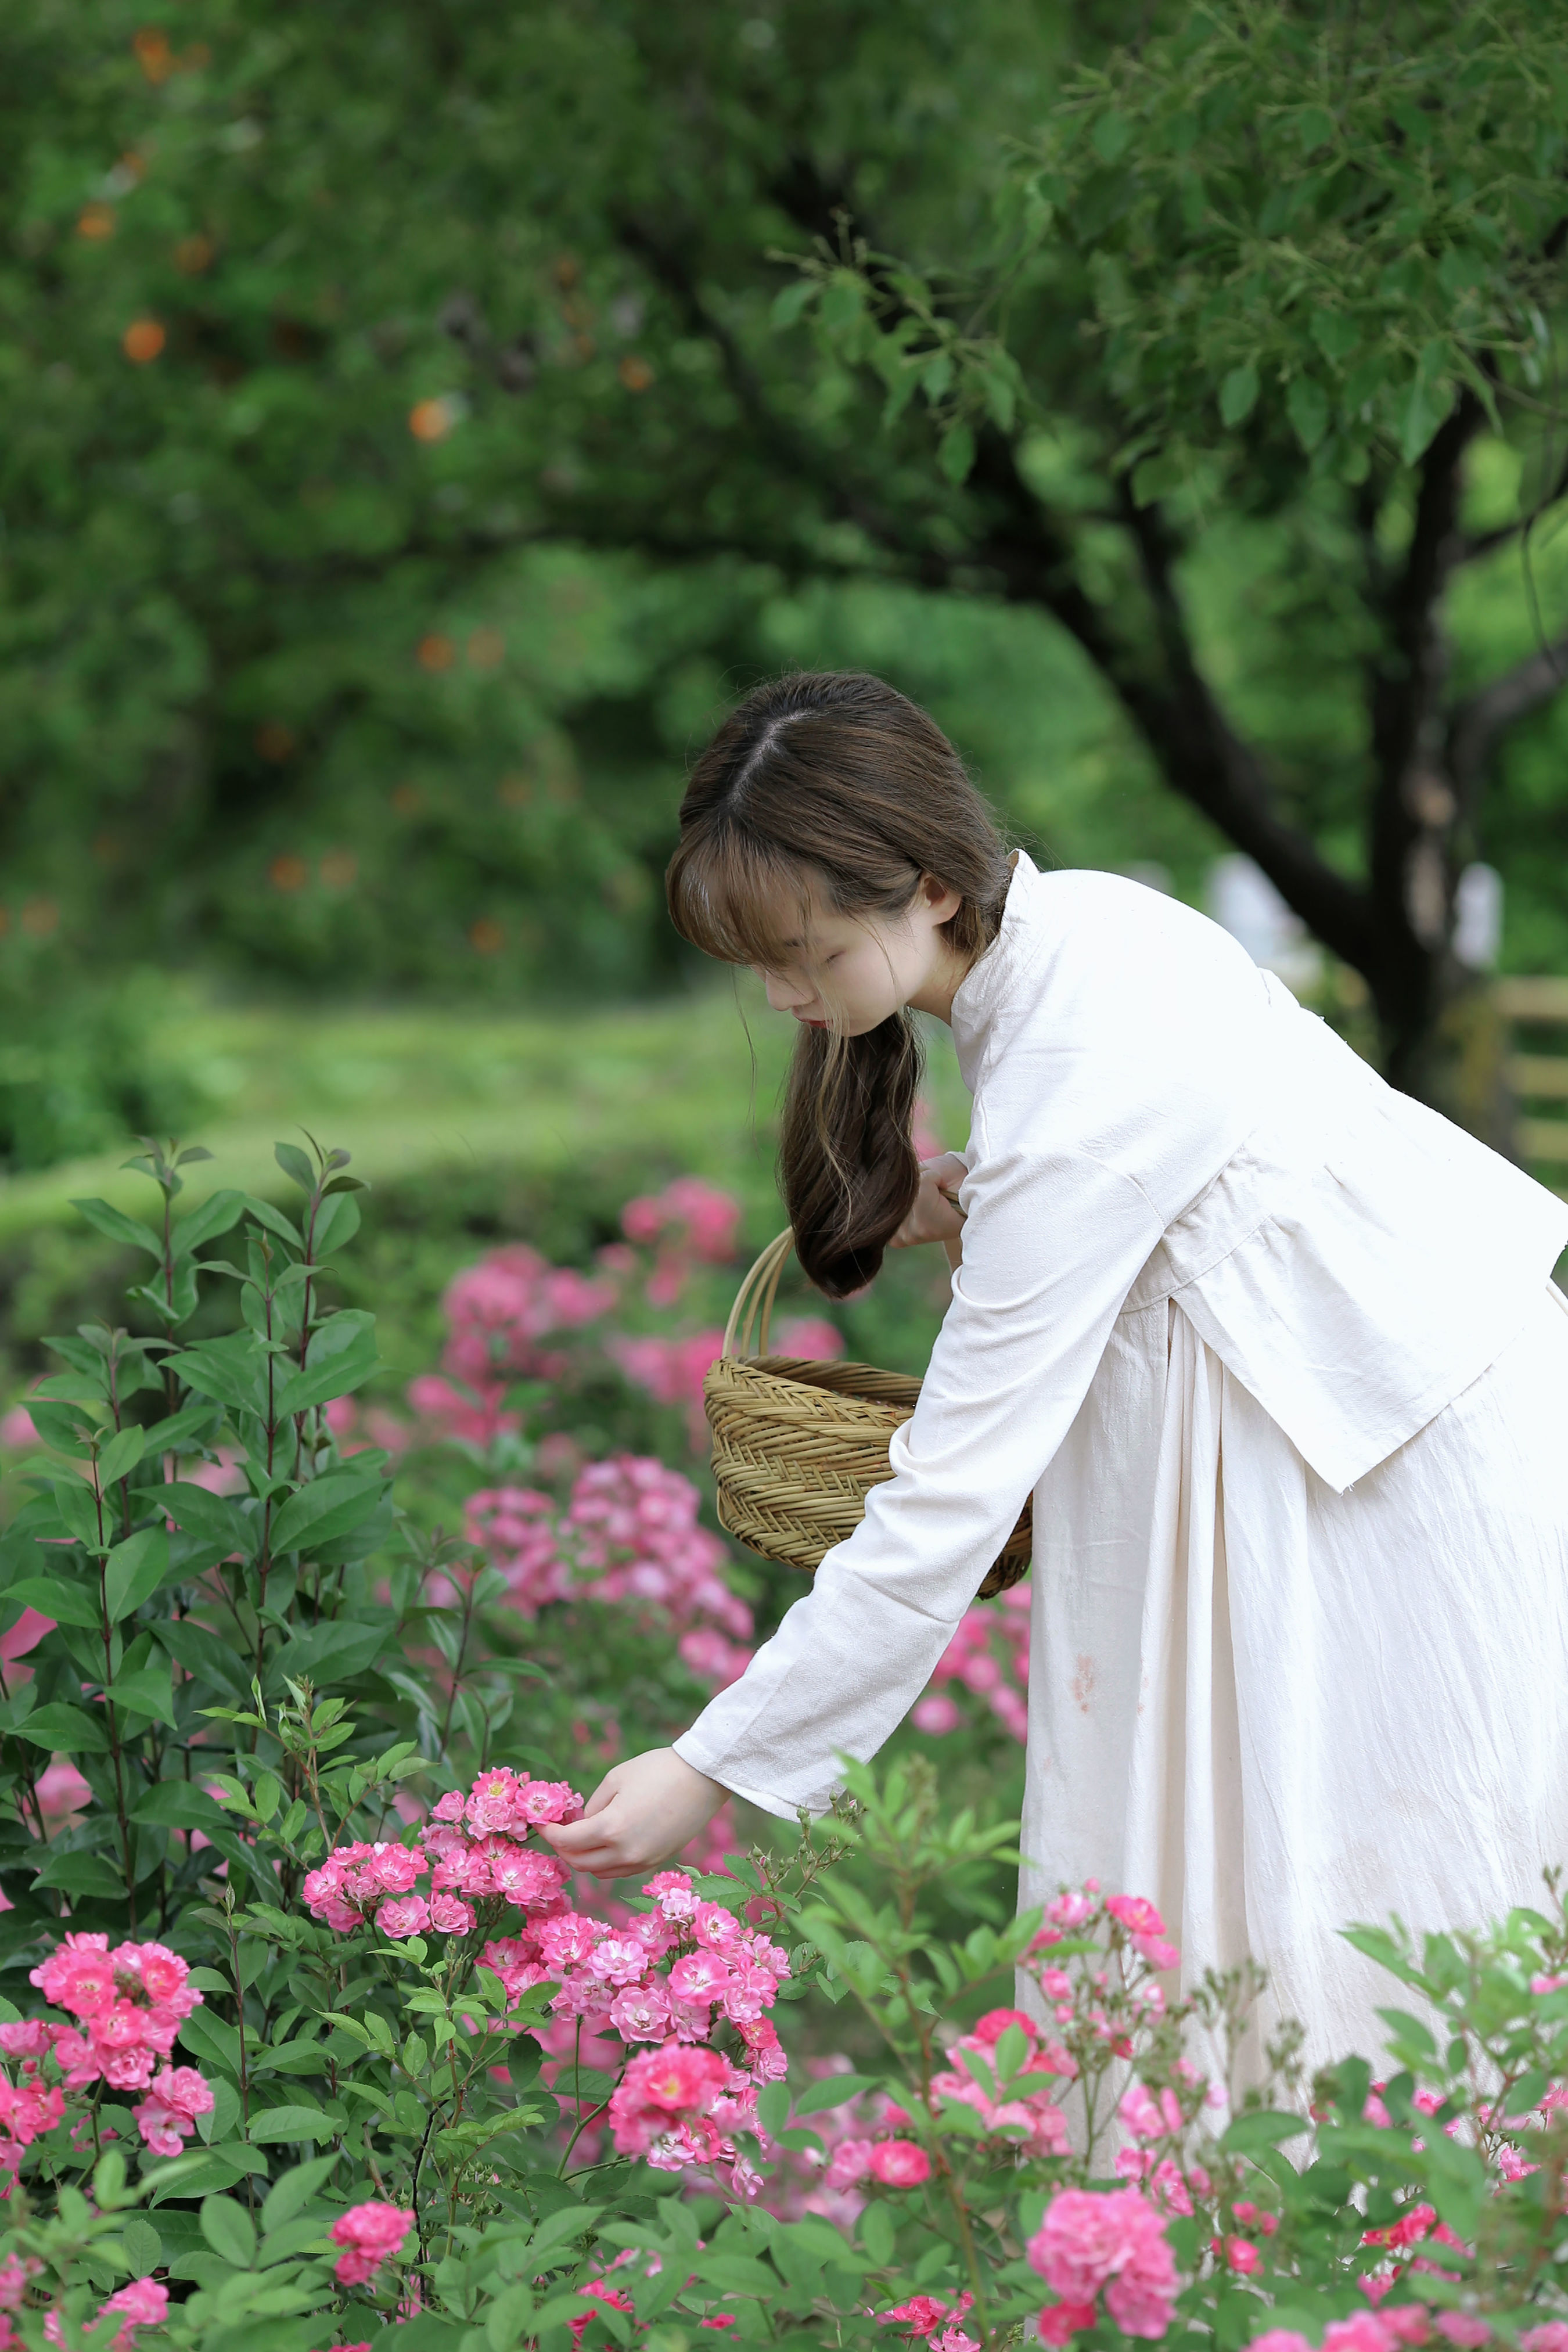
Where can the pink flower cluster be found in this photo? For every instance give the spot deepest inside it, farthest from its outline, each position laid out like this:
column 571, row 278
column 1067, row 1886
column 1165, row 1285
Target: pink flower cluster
column 1111, row 2242
column 988, row 1656
column 1023, row 2109
column 672, row 1369
column 1409, row 2325
column 128, row 2005
column 933, row 2322
column 629, row 1535
column 27, row 2110
column 1106, row 2003
column 894, row 2163
column 688, row 1223
column 672, row 1976
column 472, row 1850
column 803, row 2181
column 497, row 1312
column 144, row 2304
column 369, row 2235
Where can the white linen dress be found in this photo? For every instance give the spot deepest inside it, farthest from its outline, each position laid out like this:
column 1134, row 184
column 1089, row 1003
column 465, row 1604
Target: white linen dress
column 1277, row 1352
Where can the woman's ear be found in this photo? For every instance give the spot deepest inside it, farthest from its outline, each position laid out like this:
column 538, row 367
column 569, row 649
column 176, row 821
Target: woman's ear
column 941, row 901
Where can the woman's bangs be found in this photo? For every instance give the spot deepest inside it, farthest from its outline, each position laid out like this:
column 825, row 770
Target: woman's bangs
column 738, row 901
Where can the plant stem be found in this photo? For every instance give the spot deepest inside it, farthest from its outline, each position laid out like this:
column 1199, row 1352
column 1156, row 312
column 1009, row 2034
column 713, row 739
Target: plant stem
column 127, row 1857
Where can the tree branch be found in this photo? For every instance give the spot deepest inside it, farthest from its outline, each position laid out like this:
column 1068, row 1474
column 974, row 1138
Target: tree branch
column 1485, row 543
column 1476, row 723
column 1210, row 765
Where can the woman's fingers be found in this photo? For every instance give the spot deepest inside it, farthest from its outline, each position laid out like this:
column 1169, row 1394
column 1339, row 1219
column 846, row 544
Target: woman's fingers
column 642, row 1811
column 935, row 1215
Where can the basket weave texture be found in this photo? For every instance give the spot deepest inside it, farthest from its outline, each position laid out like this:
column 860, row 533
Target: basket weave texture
column 799, row 1444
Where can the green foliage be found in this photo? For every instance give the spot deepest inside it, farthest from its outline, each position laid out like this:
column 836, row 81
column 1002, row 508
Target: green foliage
column 82, row 1065
column 1319, row 232
column 296, row 624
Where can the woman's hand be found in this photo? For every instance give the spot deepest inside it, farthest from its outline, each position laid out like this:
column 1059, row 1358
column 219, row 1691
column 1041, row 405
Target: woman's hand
column 642, row 1811
column 936, row 1215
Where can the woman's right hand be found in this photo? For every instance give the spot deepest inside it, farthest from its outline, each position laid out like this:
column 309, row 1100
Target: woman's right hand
column 936, row 1215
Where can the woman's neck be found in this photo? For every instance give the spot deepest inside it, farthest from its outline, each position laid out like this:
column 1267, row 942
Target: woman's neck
column 951, row 969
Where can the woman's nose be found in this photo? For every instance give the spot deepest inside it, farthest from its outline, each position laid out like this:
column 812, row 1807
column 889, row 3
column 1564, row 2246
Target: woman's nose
column 782, row 997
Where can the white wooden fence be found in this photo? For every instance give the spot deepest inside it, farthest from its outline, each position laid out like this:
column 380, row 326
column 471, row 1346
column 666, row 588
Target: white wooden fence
column 1537, row 1073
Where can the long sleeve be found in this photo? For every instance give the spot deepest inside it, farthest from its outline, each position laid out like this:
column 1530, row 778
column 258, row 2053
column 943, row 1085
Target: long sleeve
column 1114, row 1043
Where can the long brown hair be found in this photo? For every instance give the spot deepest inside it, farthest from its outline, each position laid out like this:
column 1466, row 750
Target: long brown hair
column 834, row 778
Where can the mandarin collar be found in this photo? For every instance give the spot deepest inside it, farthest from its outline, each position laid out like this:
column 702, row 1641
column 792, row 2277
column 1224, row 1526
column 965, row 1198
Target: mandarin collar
column 983, row 988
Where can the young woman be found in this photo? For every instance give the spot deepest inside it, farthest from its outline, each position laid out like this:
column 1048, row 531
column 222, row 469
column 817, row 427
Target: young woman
column 1276, row 1350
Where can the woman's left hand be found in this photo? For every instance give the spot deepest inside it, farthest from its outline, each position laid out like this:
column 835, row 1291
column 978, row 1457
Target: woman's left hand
column 936, row 1215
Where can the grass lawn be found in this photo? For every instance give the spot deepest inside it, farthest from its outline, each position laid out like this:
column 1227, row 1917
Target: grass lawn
column 410, row 1091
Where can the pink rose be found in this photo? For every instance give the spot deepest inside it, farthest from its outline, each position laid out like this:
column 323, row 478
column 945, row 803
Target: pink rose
column 369, row 2234
column 900, row 2164
column 397, row 1920
column 449, row 1915
column 1116, row 2241
column 1059, row 2320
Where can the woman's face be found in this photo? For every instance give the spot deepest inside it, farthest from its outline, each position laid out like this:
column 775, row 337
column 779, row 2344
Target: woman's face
column 850, row 973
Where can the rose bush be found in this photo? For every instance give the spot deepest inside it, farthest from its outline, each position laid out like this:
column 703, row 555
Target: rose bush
column 307, row 2041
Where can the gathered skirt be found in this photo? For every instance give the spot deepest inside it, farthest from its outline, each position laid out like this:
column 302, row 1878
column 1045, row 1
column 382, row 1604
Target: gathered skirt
column 1279, row 1710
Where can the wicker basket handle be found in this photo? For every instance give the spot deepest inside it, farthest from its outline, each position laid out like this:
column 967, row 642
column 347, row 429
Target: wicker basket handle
column 759, row 1289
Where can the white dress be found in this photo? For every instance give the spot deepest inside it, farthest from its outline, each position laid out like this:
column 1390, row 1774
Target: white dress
column 1279, row 1354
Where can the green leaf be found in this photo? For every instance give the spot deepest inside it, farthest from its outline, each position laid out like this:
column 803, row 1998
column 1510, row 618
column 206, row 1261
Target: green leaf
column 177, row 1805
column 146, row 1690
column 1238, row 395
column 67, row 1604
column 955, row 453
column 843, row 300
column 134, row 1572
column 791, row 301
column 832, row 2092
column 341, row 1354
column 772, row 2106
column 66, row 1427
column 218, row 1214
column 936, row 377
column 336, row 1223
column 1427, row 403
column 327, row 1506
column 1335, row 333
column 68, row 1730
column 203, row 1654
column 1156, row 476
column 877, row 2235
column 296, row 1165
column 293, row 2191
column 1307, row 406
column 229, row 2231
column 77, row 1506
column 233, row 1369
column 121, row 1455
column 212, row 1518
column 263, row 1214
column 1264, row 2129
column 1315, row 127
column 1001, row 400
column 291, row 2124
column 212, row 2039
column 191, row 1426
column 1111, row 137
column 83, row 1875
column 117, row 1227
column 143, row 2246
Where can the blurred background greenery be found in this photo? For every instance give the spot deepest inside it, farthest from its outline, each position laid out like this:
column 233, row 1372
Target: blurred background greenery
column 405, row 458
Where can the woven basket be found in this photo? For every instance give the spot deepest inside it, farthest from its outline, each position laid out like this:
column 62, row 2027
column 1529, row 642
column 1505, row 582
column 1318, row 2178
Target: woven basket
column 798, row 1444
